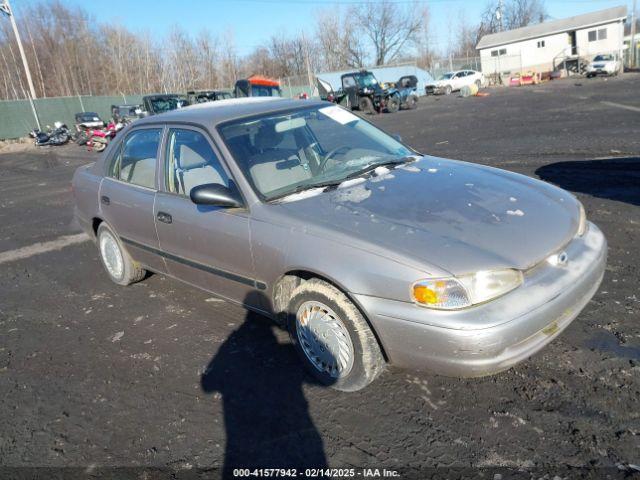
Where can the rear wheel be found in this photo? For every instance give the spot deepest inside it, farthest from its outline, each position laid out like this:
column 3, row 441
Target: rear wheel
column 332, row 337
column 365, row 105
column 120, row 267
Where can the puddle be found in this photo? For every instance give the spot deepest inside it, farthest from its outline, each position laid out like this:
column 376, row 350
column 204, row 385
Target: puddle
column 607, row 342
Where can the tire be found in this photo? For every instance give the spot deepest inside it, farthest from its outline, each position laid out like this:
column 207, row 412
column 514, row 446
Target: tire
column 129, row 271
column 342, row 327
column 448, row 90
column 393, row 104
column 99, row 144
column 412, row 102
column 82, row 138
column 365, row 105
column 478, row 84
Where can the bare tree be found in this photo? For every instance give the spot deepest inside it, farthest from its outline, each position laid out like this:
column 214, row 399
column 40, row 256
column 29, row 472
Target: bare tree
column 390, row 28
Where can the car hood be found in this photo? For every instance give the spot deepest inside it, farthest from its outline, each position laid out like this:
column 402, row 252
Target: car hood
column 456, row 216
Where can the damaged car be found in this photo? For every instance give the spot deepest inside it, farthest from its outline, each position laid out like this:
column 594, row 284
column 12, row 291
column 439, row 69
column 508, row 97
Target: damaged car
column 370, row 252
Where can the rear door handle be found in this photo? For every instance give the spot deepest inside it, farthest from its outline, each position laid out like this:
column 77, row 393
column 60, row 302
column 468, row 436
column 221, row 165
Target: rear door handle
column 105, row 200
column 164, row 217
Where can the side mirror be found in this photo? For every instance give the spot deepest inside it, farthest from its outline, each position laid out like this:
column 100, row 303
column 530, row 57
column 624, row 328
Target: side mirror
column 216, row 195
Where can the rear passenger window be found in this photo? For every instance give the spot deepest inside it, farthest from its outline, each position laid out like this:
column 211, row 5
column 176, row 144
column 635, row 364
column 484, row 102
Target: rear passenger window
column 136, row 163
column 191, row 162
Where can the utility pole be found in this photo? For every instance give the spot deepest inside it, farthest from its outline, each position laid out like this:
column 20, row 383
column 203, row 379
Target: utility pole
column 6, row 9
column 632, row 43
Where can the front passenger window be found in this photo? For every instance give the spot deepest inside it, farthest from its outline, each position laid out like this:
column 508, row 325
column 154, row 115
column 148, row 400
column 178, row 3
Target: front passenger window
column 136, row 163
column 191, row 162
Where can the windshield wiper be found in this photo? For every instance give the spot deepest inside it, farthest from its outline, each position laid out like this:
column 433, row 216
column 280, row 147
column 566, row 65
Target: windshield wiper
column 373, row 165
column 334, row 183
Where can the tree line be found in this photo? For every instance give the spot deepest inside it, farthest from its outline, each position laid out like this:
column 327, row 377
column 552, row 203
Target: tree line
column 70, row 53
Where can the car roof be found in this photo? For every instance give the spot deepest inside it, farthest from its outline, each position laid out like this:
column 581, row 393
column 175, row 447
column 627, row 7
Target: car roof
column 210, row 114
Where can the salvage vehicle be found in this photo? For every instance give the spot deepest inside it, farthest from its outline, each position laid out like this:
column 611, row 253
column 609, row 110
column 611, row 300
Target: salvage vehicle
column 363, row 91
column 368, row 251
column 202, row 96
column 155, row 104
column 407, row 87
column 58, row 135
column 453, row 81
column 85, row 120
column 125, row 113
column 257, row 86
column 606, row 64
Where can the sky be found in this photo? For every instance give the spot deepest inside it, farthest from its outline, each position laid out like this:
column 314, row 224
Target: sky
column 254, row 21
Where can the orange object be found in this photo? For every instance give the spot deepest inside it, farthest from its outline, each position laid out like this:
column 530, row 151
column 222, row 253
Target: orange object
column 260, row 80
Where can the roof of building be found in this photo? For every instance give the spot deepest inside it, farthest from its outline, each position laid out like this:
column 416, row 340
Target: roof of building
column 554, row 26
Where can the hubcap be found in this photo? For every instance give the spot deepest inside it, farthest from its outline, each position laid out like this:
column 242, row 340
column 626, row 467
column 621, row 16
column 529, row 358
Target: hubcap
column 111, row 255
column 324, row 339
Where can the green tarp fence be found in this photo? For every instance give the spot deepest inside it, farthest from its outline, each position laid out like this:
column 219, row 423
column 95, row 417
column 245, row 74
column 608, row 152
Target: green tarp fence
column 17, row 116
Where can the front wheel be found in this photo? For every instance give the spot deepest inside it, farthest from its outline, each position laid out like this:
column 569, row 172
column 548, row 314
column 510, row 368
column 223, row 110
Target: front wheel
column 332, row 337
column 365, row 105
column 120, row 267
column 412, row 102
column 393, row 104
column 448, row 90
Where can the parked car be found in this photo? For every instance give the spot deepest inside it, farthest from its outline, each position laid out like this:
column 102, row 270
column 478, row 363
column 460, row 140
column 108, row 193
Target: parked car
column 368, row 251
column 454, row 81
column 86, row 120
column 202, row 96
column 257, row 86
column 125, row 113
column 607, row 64
column 362, row 91
column 155, row 104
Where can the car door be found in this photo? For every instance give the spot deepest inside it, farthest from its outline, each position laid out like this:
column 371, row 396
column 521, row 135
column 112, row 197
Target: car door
column 350, row 88
column 127, row 195
column 206, row 246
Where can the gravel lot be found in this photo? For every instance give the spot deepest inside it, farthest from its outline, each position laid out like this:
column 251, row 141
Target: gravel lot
column 163, row 376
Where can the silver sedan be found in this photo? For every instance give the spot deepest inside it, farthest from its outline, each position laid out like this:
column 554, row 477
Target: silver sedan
column 370, row 252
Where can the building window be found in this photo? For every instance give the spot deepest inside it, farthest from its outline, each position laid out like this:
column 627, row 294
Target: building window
column 494, row 53
column 592, row 36
column 602, row 34
column 541, row 44
column 503, row 51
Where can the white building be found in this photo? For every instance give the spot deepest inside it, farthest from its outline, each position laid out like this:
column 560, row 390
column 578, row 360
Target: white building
column 544, row 46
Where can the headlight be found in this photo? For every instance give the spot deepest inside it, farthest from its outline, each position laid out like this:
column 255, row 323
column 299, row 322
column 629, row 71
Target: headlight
column 582, row 221
column 466, row 290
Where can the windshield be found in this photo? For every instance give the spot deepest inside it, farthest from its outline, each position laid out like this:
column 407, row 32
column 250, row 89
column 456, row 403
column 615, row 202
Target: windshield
column 264, row 91
column 446, row 76
column 289, row 151
column 603, row 58
column 367, row 80
column 166, row 104
column 89, row 117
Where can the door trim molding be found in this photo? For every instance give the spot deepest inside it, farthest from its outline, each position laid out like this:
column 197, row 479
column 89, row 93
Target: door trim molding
column 200, row 266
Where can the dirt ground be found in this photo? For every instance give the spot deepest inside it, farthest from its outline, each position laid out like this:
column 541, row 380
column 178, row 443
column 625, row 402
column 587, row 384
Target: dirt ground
column 160, row 379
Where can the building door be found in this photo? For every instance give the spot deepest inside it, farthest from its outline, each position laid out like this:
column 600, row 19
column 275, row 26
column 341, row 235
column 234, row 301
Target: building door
column 573, row 43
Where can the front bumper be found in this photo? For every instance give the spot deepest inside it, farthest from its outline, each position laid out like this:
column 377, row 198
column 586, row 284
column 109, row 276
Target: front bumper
column 493, row 336
column 434, row 89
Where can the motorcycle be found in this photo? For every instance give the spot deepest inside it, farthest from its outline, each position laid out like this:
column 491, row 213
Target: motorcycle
column 58, row 136
column 97, row 140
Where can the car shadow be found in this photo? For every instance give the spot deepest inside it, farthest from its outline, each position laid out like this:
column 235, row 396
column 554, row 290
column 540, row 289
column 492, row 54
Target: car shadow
column 260, row 378
column 611, row 178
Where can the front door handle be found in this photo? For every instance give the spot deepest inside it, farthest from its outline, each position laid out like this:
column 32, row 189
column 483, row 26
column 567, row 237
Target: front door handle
column 164, row 217
column 105, row 200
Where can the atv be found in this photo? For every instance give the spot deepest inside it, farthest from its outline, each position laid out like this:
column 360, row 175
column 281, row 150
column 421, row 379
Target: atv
column 361, row 90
